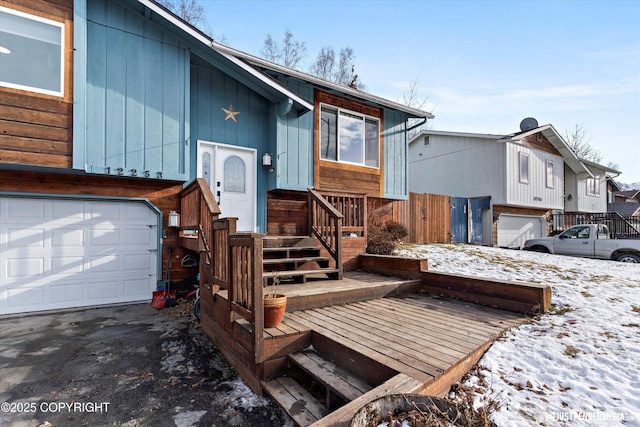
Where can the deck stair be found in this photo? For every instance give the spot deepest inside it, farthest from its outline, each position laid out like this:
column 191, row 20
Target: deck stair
column 314, row 387
column 294, row 258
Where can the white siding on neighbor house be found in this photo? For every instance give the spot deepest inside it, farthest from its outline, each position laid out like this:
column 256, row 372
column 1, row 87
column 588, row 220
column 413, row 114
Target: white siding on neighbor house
column 591, row 203
column 457, row 166
column 535, row 193
column 581, row 200
column 570, row 188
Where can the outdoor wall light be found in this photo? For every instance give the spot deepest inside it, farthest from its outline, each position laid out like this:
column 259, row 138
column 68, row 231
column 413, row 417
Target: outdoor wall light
column 174, row 219
column 569, row 197
column 267, row 159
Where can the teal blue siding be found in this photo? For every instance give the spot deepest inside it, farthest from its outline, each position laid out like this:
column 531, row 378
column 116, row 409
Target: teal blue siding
column 136, row 97
column 211, row 90
column 395, row 155
column 294, row 163
column 79, row 82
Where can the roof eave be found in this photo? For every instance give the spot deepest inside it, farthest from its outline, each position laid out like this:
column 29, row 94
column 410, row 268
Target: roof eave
column 262, row 63
column 210, row 43
column 570, row 158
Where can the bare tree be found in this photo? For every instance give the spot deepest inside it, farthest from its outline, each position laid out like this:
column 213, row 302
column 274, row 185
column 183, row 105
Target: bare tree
column 411, row 96
column 341, row 71
column 579, row 143
column 289, row 54
column 189, row 10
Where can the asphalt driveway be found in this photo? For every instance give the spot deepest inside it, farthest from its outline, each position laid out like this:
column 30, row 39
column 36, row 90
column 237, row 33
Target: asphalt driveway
column 121, row 366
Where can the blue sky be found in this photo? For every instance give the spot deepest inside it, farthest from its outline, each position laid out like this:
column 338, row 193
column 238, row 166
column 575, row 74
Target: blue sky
column 483, row 66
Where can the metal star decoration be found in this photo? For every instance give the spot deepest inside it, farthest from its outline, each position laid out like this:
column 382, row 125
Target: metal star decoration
column 230, row 113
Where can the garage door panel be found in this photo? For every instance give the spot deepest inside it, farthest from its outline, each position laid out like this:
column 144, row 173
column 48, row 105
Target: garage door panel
column 66, row 293
column 67, row 265
column 71, row 253
column 104, row 264
column 24, row 268
column 136, row 262
column 26, row 210
column 23, row 298
column 67, row 237
column 104, row 236
column 26, row 238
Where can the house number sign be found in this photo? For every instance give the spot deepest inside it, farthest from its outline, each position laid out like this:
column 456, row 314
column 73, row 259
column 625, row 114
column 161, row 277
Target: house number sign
column 132, row 172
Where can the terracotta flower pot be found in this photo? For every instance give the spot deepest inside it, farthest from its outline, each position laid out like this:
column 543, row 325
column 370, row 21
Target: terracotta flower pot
column 274, row 308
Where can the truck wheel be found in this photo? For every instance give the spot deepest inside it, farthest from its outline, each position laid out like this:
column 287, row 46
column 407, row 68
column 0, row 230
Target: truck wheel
column 628, row 257
column 541, row 249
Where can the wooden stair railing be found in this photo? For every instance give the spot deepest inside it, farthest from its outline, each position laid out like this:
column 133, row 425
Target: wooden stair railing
column 245, row 285
column 325, row 223
column 352, row 206
column 198, row 210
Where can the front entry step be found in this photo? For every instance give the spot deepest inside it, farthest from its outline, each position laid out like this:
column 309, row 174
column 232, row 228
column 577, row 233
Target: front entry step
column 295, row 400
column 314, row 387
column 294, row 259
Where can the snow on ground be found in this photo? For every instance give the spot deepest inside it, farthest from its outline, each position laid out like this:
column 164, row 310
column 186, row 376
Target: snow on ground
column 579, row 364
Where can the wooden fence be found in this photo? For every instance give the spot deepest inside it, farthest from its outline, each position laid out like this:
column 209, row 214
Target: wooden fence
column 426, row 216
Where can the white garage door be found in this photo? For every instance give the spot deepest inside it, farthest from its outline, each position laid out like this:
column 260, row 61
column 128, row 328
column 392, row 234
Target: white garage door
column 513, row 230
column 57, row 253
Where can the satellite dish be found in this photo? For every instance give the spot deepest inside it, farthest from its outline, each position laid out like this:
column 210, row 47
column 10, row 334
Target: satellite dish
column 528, row 124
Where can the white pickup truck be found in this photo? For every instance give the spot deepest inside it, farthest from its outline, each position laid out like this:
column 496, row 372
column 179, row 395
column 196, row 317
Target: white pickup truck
column 589, row 240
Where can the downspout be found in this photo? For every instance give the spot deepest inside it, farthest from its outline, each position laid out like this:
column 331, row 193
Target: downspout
column 424, row 120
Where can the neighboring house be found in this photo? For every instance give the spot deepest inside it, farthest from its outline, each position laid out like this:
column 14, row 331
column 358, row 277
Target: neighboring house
column 625, row 209
column 590, row 194
column 503, row 187
column 627, row 196
column 108, row 107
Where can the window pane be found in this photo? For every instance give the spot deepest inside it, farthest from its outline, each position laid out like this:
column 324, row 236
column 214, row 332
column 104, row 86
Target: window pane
column 328, row 133
column 524, row 167
column 234, row 175
column 351, row 138
column 372, row 145
column 550, row 174
column 31, row 55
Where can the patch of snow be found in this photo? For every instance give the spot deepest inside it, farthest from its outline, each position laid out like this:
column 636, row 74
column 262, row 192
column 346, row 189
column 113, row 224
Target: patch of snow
column 578, row 364
column 189, row 418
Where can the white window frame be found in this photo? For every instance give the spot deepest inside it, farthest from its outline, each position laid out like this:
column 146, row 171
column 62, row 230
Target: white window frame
column 523, row 168
column 593, row 186
column 46, row 21
column 550, row 175
column 364, row 118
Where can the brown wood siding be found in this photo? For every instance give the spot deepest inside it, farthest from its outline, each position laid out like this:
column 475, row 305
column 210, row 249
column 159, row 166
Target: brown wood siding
column 163, row 194
column 540, row 142
column 36, row 129
column 287, row 213
column 329, row 175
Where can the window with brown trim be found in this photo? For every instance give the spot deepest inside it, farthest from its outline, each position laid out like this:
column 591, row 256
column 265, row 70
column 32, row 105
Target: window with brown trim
column 31, row 52
column 349, row 137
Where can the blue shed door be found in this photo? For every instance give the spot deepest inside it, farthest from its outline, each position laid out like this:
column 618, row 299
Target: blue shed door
column 459, row 222
column 477, row 207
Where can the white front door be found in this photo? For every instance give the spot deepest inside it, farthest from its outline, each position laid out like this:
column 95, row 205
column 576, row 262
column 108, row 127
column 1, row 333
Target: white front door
column 231, row 174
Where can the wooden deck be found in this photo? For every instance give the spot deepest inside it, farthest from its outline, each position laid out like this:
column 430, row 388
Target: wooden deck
column 383, row 331
column 420, row 336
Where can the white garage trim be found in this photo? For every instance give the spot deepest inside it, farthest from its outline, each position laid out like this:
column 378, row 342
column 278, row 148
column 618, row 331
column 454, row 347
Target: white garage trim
column 59, row 252
column 514, row 230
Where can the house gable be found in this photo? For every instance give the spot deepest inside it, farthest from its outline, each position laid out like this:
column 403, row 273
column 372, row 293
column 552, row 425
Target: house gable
column 540, row 142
